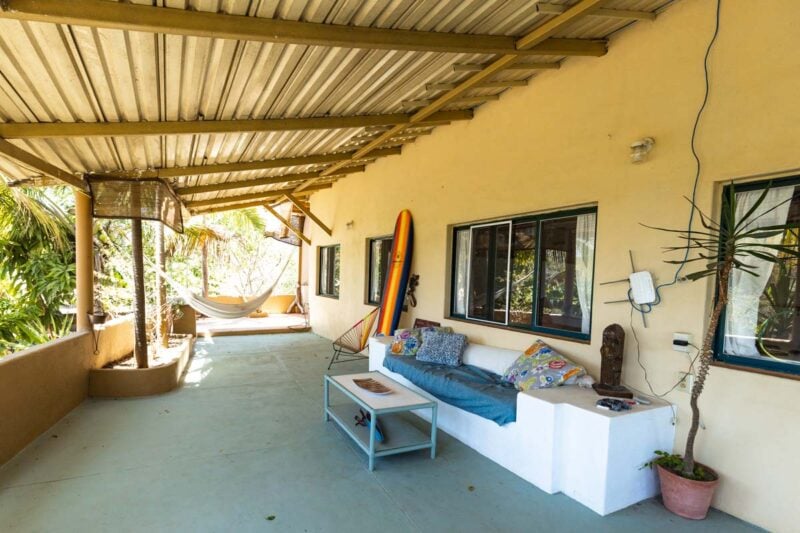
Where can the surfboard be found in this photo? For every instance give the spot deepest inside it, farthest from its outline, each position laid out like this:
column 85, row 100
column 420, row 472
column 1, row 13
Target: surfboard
column 394, row 288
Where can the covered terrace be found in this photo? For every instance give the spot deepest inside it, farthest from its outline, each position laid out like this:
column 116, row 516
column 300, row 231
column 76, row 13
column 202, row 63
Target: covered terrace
column 535, row 144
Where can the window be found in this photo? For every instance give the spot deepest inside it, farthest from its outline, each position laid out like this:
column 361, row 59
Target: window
column 378, row 252
column 328, row 275
column 761, row 325
column 533, row 273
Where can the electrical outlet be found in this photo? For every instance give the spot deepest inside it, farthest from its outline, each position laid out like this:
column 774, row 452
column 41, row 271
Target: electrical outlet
column 681, row 342
column 686, row 382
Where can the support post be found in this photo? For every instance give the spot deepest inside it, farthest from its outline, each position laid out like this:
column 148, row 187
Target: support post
column 308, row 213
column 287, row 224
column 84, row 261
column 161, row 292
column 139, row 311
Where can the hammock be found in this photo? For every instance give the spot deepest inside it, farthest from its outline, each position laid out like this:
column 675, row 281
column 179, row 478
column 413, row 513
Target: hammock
column 220, row 310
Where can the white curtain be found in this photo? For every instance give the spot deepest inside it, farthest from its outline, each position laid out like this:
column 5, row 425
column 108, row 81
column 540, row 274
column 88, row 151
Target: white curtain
column 745, row 290
column 584, row 266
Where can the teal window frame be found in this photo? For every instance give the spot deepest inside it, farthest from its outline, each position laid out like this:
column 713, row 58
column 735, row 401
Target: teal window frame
column 533, row 328
column 370, row 259
column 768, row 365
column 332, row 271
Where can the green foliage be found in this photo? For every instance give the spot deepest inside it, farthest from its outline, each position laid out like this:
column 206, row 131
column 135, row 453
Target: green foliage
column 37, row 266
column 674, row 463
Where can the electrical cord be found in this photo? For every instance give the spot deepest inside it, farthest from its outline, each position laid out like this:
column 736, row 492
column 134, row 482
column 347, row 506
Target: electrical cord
column 647, row 308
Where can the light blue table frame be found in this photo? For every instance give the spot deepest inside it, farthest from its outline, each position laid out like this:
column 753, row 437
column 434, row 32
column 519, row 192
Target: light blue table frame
column 371, row 448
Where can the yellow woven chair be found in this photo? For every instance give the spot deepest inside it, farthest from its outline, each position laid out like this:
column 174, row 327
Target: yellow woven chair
column 349, row 346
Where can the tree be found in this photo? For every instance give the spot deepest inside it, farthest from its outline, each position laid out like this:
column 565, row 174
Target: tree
column 725, row 247
column 37, row 265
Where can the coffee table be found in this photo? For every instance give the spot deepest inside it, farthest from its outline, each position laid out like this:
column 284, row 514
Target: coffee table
column 400, row 434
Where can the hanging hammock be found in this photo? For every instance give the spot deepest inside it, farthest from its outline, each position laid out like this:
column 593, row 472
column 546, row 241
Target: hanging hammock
column 216, row 309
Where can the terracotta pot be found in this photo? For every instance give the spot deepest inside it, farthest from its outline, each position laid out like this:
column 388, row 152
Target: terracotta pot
column 686, row 497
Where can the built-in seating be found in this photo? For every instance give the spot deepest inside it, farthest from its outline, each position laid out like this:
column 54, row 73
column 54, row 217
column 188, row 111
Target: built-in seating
column 559, row 440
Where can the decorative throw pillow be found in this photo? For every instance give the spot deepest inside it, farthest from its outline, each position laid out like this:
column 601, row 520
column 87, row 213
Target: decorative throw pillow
column 408, row 341
column 541, row 367
column 442, row 348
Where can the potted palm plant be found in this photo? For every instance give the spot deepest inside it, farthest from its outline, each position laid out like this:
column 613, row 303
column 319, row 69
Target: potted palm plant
column 687, row 486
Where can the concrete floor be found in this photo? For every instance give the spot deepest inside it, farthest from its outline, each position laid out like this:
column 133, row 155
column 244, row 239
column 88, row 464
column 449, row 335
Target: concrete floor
column 242, row 447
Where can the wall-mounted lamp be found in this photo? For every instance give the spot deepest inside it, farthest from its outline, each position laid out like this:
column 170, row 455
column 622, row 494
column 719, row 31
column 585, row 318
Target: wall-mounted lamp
column 641, row 148
column 349, row 225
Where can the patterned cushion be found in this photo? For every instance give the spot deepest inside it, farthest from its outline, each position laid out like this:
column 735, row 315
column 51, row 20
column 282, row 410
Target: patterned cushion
column 541, row 367
column 408, row 341
column 442, row 348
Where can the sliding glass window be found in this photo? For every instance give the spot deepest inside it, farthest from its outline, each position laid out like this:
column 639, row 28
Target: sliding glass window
column 534, row 273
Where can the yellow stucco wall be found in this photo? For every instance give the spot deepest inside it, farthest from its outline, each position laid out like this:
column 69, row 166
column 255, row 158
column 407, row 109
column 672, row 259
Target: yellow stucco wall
column 564, row 141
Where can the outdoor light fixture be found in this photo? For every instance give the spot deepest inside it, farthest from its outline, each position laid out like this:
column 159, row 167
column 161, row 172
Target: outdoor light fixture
column 349, row 225
column 641, row 148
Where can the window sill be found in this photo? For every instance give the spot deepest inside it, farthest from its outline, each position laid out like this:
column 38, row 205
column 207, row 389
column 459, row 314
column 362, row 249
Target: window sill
column 754, row 370
column 329, row 296
column 546, row 335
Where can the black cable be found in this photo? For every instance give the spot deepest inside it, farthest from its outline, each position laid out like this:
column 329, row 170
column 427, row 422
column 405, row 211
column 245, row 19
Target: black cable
column 647, row 308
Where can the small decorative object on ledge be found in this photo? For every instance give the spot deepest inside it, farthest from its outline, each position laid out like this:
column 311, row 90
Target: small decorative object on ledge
column 611, row 364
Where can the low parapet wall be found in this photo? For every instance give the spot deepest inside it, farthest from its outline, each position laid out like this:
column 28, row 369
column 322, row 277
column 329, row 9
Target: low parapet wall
column 40, row 385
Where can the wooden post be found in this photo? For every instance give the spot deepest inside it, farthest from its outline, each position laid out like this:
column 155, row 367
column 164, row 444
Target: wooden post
column 139, row 310
column 161, row 293
column 84, row 261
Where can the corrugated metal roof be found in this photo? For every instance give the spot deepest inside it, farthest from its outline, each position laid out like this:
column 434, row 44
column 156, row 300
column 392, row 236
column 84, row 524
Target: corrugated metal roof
column 70, row 73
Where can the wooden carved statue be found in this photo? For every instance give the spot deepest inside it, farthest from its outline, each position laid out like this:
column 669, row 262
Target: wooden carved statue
column 611, row 354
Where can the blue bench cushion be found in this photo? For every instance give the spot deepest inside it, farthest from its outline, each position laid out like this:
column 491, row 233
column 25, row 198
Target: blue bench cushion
column 467, row 387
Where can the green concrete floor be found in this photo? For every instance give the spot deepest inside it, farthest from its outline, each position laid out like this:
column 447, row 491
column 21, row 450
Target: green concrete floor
column 242, row 447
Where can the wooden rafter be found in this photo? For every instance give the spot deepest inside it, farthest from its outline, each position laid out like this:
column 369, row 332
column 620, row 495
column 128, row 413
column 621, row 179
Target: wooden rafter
column 260, row 182
column 17, row 130
column 307, row 212
column 286, row 223
column 556, row 9
column 485, row 85
column 536, row 37
column 466, row 100
column 266, row 195
column 38, row 164
column 245, row 166
column 467, row 67
column 144, row 18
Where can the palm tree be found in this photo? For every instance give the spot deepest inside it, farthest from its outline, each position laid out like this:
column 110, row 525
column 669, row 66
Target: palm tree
column 37, row 267
column 725, row 247
column 211, row 235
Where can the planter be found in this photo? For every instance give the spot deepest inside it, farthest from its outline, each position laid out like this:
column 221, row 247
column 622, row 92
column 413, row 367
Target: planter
column 130, row 382
column 686, row 497
column 97, row 319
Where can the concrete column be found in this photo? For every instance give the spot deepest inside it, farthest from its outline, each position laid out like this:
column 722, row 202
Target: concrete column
column 84, row 261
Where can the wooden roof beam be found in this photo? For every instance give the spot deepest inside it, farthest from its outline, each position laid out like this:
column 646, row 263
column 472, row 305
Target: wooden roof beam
column 260, row 182
column 554, row 9
column 261, row 196
column 38, row 164
column 533, row 39
column 485, row 85
column 286, row 223
column 17, row 130
column 144, row 18
column 467, row 67
column 307, row 212
column 245, row 166
column 467, row 100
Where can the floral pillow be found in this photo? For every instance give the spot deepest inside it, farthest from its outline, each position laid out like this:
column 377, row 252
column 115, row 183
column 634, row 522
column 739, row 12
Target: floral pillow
column 408, row 341
column 541, row 367
column 442, row 348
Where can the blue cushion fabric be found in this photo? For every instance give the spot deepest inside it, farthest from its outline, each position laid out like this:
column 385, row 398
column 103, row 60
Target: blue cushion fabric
column 442, row 348
column 467, row 387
